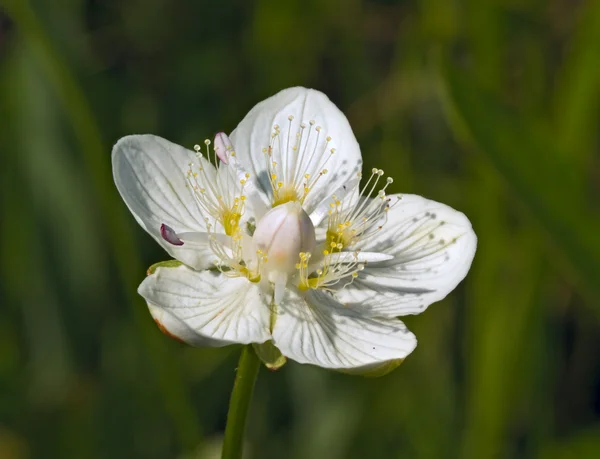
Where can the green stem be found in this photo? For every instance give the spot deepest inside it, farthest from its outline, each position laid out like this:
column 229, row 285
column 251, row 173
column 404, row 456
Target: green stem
column 239, row 404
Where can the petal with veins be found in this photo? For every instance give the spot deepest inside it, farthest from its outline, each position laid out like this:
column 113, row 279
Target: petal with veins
column 317, row 330
column 309, row 126
column 206, row 307
column 433, row 246
column 150, row 174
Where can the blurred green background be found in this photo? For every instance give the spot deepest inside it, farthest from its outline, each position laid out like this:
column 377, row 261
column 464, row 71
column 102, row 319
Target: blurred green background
column 491, row 106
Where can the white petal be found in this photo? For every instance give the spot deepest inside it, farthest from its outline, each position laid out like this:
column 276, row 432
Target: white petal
column 320, row 331
column 254, row 132
column 433, row 246
column 150, row 174
column 206, row 307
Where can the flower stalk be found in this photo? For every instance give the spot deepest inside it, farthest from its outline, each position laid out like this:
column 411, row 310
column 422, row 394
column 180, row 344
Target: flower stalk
column 239, row 403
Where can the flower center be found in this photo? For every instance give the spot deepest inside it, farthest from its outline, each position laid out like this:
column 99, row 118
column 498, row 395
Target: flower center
column 281, row 246
column 281, row 234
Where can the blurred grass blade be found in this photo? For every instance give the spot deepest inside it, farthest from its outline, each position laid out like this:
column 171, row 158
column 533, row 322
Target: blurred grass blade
column 527, row 157
column 578, row 89
column 96, row 158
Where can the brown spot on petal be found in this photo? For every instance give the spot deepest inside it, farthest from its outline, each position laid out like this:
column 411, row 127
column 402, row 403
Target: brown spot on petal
column 163, row 329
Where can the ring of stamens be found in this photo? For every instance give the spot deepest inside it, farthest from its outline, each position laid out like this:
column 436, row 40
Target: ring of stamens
column 221, row 199
column 295, row 165
column 349, row 223
column 222, row 202
column 329, row 272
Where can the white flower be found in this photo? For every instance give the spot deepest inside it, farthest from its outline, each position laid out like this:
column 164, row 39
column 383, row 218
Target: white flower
column 277, row 244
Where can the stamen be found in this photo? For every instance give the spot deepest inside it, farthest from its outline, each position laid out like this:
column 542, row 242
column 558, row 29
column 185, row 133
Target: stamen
column 218, row 184
column 351, row 222
column 304, row 156
column 332, row 269
column 219, row 195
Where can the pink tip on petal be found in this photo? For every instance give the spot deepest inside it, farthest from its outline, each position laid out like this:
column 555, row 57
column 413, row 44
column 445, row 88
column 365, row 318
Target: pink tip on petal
column 223, row 147
column 169, row 235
